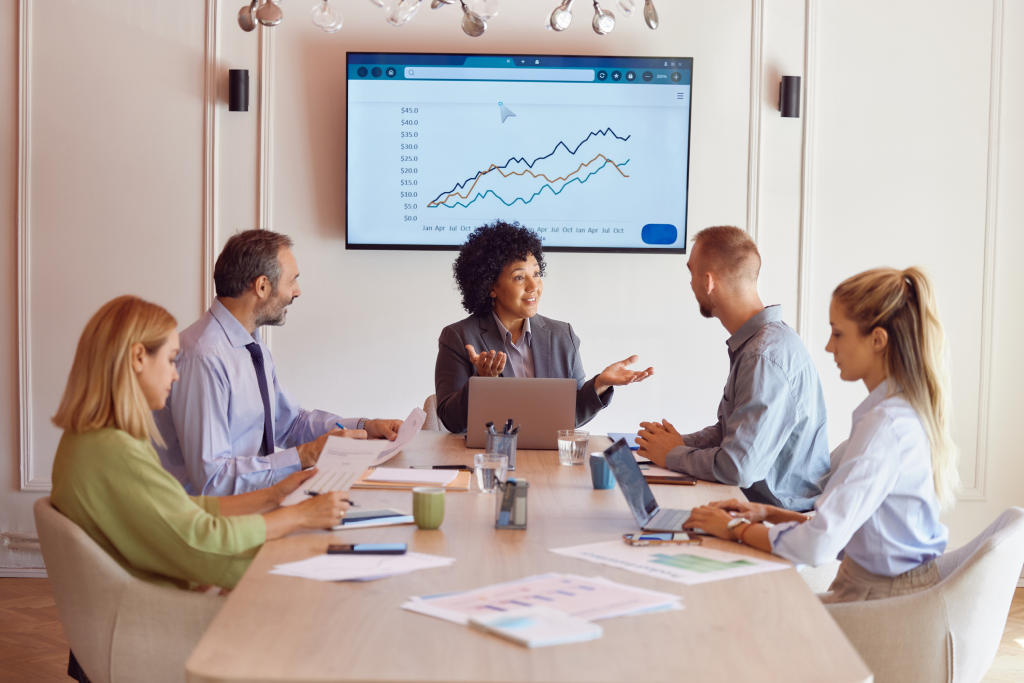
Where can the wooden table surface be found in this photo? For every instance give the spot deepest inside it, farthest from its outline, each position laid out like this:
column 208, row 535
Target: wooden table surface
column 763, row 628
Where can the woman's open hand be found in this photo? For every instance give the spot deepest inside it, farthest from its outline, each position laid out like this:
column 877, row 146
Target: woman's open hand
column 487, row 364
column 617, row 375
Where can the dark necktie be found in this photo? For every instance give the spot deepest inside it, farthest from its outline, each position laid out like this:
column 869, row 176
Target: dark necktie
column 261, row 376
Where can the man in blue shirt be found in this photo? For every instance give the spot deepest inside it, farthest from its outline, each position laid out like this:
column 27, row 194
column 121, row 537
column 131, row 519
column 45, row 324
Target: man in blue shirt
column 229, row 412
column 771, row 438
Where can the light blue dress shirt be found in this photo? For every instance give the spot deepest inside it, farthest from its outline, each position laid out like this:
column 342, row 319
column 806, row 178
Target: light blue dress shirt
column 213, row 421
column 879, row 506
column 771, row 437
column 519, row 355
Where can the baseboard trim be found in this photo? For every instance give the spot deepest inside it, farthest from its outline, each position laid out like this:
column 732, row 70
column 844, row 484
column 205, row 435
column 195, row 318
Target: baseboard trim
column 23, row 572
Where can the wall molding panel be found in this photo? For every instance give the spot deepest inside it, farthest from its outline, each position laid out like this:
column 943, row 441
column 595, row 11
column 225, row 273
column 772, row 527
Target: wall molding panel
column 756, row 87
column 210, row 156
column 266, row 144
column 803, row 296
column 29, row 480
column 976, row 492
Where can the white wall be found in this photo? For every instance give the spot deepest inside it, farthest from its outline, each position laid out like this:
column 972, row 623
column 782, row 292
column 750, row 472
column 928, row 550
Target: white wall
column 888, row 166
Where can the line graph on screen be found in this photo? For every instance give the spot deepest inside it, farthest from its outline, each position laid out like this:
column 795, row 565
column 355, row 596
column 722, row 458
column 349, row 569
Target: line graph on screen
column 519, row 180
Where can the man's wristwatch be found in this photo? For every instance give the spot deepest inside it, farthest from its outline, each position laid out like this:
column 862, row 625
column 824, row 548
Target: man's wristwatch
column 733, row 523
column 361, row 424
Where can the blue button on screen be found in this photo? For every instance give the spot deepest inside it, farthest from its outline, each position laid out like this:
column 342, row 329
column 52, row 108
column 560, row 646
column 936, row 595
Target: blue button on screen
column 659, row 233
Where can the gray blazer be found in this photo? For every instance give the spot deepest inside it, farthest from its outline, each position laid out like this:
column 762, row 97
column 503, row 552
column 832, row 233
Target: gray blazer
column 556, row 354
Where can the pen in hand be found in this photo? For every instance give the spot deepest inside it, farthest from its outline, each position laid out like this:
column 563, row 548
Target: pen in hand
column 317, row 493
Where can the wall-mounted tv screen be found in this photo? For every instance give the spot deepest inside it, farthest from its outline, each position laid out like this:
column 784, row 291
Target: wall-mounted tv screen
column 591, row 152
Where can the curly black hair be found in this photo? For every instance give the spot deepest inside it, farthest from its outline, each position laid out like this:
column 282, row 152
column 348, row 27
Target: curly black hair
column 487, row 251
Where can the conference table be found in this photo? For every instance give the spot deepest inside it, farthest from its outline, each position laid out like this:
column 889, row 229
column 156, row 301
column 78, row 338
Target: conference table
column 765, row 627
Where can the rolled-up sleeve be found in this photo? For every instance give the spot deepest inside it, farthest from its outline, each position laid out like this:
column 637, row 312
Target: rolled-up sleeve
column 755, row 431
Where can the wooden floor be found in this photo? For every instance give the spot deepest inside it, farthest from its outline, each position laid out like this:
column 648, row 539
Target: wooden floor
column 32, row 645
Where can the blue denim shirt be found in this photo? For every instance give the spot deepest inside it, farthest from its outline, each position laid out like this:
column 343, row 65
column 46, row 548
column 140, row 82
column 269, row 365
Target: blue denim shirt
column 771, row 438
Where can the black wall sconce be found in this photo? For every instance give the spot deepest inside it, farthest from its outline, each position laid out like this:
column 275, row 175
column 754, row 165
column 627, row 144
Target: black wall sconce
column 789, row 97
column 238, row 90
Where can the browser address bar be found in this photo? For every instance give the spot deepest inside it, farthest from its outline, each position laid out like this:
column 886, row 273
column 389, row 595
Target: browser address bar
column 483, row 74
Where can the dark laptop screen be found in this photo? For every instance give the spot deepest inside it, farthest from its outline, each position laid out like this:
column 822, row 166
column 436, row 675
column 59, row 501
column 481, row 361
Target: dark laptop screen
column 631, row 481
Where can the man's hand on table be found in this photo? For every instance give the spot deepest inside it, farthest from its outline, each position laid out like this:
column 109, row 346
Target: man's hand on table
column 656, row 439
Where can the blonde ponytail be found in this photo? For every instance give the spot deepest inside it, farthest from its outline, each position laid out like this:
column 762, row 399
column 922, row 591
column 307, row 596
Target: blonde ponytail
column 903, row 304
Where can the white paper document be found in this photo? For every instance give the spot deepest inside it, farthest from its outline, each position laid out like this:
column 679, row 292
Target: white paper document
column 579, row 596
column 359, row 567
column 407, row 476
column 341, row 463
column 410, row 428
column 689, row 564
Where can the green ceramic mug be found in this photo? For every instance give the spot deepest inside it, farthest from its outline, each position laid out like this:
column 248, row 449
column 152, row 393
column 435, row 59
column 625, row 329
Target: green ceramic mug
column 428, row 506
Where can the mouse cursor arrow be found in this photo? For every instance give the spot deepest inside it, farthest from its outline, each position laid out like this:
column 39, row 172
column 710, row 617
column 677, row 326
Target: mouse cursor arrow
column 505, row 112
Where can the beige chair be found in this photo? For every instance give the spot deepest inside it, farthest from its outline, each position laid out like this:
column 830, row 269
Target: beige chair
column 432, row 423
column 950, row 632
column 820, row 578
column 120, row 628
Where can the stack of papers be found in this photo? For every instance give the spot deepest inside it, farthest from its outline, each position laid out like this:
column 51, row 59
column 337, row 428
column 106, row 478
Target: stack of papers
column 577, row 596
column 537, row 627
column 689, row 564
column 395, row 475
column 359, row 567
column 342, row 461
column 410, row 428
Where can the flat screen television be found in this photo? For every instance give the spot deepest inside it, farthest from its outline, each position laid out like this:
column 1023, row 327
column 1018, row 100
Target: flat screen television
column 591, row 152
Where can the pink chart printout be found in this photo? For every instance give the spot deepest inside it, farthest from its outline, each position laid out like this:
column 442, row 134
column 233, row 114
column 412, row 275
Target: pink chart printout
column 579, row 596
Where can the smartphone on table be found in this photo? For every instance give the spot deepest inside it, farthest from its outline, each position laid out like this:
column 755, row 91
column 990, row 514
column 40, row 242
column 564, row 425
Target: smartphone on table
column 677, row 538
column 366, row 549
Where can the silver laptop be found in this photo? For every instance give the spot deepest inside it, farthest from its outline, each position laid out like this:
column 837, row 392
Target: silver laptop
column 540, row 406
column 638, row 493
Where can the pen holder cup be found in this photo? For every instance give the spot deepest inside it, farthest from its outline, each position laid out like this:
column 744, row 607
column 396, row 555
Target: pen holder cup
column 503, row 444
column 511, row 508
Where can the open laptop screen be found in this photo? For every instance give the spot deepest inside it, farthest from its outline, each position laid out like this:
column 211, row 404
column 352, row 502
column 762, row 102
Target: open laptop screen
column 631, row 480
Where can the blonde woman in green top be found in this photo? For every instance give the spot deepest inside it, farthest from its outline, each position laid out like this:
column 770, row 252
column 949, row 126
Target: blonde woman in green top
column 107, row 478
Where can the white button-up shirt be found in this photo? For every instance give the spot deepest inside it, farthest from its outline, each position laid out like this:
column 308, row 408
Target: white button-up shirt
column 879, row 506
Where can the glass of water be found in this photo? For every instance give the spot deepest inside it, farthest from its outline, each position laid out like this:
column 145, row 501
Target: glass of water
column 490, row 469
column 572, row 446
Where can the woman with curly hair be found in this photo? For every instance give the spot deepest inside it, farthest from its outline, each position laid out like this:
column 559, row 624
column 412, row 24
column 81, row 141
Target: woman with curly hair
column 499, row 271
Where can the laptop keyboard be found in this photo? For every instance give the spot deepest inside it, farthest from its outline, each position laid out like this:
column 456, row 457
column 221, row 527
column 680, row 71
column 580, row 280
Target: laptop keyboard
column 668, row 519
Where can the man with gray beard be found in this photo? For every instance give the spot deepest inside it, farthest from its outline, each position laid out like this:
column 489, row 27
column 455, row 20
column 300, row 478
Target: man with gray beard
column 229, row 413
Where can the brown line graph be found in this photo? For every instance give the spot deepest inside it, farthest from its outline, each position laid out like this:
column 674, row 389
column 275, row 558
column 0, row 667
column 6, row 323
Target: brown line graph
column 524, row 172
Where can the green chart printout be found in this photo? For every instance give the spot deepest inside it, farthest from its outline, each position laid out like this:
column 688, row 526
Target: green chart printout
column 702, row 565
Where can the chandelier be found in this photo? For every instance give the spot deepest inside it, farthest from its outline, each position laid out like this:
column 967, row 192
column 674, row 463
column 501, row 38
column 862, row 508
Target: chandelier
column 475, row 14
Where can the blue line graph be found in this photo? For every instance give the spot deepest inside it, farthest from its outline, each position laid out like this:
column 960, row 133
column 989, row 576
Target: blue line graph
column 534, row 195
column 530, row 164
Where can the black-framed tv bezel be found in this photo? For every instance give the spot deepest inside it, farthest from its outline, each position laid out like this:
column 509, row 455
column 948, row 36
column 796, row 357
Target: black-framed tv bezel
column 578, row 250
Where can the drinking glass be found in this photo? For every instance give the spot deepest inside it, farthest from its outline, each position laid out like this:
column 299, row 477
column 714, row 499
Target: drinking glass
column 572, row 446
column 490, row 469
